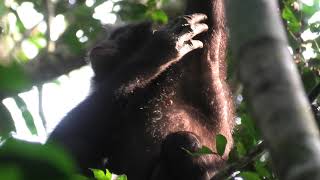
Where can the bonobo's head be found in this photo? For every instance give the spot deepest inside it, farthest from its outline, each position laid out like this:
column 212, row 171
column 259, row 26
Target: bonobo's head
column 118, row 48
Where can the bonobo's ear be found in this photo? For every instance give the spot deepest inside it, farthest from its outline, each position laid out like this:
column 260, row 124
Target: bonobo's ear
column 103, row 58
column 122, row 43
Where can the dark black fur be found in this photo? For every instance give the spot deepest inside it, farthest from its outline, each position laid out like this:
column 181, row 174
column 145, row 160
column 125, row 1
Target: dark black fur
column 141, row 113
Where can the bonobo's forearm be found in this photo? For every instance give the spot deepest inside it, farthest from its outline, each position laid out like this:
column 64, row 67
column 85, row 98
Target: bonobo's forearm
column 165, row 47
column 153, row 59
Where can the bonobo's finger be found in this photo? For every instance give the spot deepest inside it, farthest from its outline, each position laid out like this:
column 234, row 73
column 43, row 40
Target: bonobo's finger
column 195, row 44
column 194, row 18
column 190, row 45
column 199, row 28
column 193, row 31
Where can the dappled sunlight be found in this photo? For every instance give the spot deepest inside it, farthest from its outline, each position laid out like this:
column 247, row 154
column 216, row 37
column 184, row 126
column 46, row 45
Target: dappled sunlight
column 58, row 99
column 28, row 15
column 103, row 13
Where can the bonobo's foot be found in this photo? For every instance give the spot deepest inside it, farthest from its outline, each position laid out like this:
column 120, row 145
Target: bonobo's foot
column 181, row 31
column 177, row 164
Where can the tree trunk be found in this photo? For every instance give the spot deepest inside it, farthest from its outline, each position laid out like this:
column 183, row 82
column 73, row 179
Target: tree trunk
column 273, row 88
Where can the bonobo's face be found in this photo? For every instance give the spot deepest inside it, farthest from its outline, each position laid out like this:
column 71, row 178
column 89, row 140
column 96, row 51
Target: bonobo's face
column 120, row 46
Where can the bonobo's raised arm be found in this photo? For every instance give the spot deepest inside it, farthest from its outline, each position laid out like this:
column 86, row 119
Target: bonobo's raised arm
column 166, row 46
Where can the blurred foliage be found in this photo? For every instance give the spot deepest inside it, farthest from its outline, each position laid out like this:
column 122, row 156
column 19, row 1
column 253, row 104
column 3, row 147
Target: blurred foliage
column 22, row 160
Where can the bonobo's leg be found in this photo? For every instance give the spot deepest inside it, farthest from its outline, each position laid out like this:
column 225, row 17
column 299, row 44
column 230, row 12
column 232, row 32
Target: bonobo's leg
column 176, row 163
column 168, row 45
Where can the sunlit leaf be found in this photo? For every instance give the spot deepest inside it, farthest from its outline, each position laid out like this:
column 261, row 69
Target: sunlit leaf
column 122, row 177
column 26, row 114
column 221, row 143
column 159, row 16
column 101, row 175
column 249, row 176
column 292, row 21
column 202, row 151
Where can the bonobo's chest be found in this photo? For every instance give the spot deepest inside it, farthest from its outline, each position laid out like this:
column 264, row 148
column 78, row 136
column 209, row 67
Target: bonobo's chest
column 171, row 102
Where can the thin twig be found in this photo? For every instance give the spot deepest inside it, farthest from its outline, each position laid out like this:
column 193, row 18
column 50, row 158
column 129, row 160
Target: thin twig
column 243, row 162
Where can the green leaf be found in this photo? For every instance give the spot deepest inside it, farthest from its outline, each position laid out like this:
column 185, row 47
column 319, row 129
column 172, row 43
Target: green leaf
column 26, row 114
column 202, row 151
column 249, row 176
column 308, row 11
column 101, row 175
column 10, row 172
column 309, row 79
column 241, row 150
column 13, row 78
column 152, row 3
column 159, row 16
column 3, row 9
column 36, row 161
column 292, row 21
column 79, row 177
column 122, row 177
column 315, row 27
column 262, row 170
column 6, row 122
column 108, row 174
column 221, row 143
column 131, row 11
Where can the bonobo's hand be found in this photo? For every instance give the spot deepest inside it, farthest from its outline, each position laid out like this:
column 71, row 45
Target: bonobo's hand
column 181, row 31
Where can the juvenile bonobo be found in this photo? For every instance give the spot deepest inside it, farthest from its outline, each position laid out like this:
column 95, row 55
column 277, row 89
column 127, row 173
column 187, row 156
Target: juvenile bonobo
column 155, row 93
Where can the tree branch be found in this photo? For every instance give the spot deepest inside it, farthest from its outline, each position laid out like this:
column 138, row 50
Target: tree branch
column 229, row 169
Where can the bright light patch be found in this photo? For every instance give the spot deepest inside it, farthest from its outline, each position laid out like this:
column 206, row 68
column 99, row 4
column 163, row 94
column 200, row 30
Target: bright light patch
column 59, row 99
column 29, row 49
column 58, row 27
column 11, row 3
column 31, row 100
column 83, row 39
column 27, row 12
column 116, row 8
column 307, row 2
column 309, row 52
column 42, row 42
column 103, row 13
column 107, row 18
column 42, row 27
column 72, row 2
column 290, row 50
column 90, row 3
column 12, row 19
column 79, row 33
column 19, row 122
column 308, row 35
column 314, row 18
column 238, row 120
